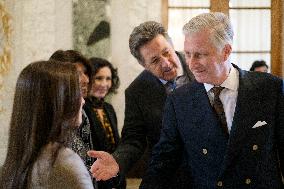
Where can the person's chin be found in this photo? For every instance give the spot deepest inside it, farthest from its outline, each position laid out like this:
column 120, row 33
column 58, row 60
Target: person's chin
column 84, row 93
column 200, row 79
column 170, row 76
column 100, row 96
column 78, row 123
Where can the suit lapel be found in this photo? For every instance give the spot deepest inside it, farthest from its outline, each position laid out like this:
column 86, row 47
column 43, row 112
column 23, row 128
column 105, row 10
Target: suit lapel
column 99, row 133
column 152, row 82
column 185, row 67
column 203, row 119
column 153, row 92
column 245, row 105
column 199, row 126
column 201, row 100
column 112, row 119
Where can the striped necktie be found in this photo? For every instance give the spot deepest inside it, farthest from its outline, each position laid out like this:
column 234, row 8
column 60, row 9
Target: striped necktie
column 218, row 107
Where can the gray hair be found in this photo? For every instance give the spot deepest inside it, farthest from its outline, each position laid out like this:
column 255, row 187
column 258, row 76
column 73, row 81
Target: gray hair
column 143, row 34
column 218, row 24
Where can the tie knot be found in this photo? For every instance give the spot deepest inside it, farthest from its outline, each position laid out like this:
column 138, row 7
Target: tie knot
column 171, row 82
column 170, row 86
column 217, row 90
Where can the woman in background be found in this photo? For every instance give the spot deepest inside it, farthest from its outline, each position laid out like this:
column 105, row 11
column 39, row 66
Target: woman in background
column 47, row 106
column 101, row 114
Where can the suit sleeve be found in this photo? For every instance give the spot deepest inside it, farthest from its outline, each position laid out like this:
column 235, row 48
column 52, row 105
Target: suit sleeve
column 112, row 112
column 166, row 155
column 280, row 127
column 133, row 137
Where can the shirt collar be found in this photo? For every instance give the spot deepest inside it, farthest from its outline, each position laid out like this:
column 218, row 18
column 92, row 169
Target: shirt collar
column 232, row 81
column 163, row 81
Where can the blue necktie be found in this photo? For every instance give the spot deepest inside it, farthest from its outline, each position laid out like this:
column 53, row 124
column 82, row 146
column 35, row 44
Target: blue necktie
column 170, row 86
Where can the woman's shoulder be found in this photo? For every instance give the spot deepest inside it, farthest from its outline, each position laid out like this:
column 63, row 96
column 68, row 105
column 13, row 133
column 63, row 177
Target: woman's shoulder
column 66, row 155
column 67, row 171
column 69, row 161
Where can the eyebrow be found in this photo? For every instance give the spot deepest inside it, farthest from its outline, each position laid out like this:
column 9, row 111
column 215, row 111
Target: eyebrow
column 154, row 58
column 163, row 51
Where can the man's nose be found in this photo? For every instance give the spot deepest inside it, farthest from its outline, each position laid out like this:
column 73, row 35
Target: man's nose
column 165, row 62
column 190, row 61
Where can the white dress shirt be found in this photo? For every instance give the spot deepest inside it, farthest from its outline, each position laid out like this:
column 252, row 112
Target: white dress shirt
column 228, row 95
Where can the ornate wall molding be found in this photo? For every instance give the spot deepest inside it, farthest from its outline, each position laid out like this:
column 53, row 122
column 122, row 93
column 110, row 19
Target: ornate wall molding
column 5, row 39
column 5, row 46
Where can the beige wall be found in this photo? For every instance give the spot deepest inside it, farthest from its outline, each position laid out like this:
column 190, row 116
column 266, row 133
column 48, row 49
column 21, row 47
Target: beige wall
column 125, row 15
column 39, row 28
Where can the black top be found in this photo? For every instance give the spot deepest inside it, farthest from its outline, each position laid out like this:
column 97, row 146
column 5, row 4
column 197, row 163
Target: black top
column 99, row 138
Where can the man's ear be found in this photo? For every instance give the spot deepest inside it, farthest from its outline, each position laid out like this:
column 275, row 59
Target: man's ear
column 226, row 52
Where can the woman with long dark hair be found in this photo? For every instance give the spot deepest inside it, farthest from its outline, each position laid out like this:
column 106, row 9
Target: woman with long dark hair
column 47, row 106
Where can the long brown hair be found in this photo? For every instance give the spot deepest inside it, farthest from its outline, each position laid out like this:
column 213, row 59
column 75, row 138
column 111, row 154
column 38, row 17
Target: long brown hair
column 46, row 106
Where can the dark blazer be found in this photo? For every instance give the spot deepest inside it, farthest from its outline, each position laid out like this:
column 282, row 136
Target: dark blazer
column 144, row 102
column 251, row 158
column 98, row 133
column 99, row 138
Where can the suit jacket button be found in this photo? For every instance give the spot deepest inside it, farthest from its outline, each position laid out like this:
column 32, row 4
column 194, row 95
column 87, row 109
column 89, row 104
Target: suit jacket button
column 248, row 181
column 220, row 183
column 254, row 147
column 204, row 151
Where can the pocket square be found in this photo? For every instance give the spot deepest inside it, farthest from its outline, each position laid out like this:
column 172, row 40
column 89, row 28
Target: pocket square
column 259, row 124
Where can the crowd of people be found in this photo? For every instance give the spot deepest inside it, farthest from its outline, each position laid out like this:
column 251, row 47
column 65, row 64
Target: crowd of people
column 197, row 120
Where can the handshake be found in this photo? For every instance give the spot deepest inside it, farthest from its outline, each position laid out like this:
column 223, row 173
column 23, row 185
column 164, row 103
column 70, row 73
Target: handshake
column 105, row 167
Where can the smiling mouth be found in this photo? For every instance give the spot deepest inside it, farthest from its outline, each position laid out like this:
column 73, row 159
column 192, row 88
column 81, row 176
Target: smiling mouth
column 84, row 88
column 199, row 71
column 168, row 70
column 102, row 91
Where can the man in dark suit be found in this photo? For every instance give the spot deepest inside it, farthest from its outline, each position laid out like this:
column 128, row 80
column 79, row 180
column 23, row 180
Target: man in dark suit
column 145, row 97
column 228, row 124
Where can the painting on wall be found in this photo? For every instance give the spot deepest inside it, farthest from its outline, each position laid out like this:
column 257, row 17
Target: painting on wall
column 91, row 27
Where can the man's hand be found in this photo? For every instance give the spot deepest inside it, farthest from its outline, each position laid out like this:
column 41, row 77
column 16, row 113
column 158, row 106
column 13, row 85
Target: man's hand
column 105, row 167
